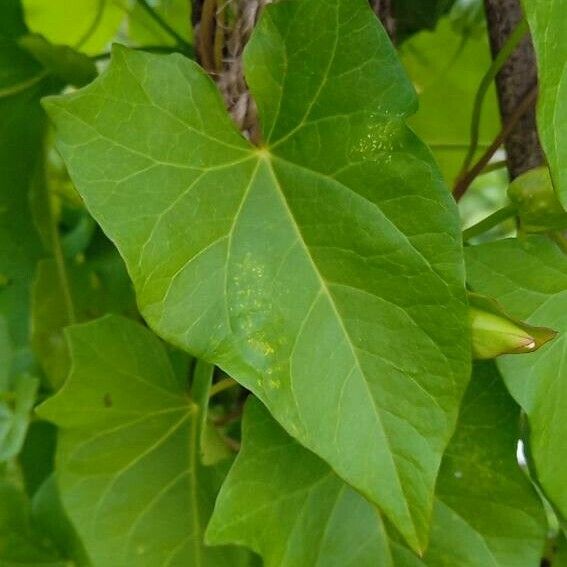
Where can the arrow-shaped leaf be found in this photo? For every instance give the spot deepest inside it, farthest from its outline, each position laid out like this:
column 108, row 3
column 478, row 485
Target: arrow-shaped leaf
column 322, row 270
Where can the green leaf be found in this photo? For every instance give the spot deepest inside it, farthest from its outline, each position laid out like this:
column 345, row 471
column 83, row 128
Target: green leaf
column 529, row 279
column 295, row 266
column 65, row 63
column 488, row 514
column 547, row 24
column 96, row 284
column 22, row 125
column 88, row 25
column 285, row 503
column 447, row 70
column 127, row 463
column 15, row 414
column 21, row 544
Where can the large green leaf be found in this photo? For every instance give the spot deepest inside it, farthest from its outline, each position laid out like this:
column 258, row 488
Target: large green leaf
column 294, row 266
column 547, row 25
column 285, row 503
column 530, row 280
column 127, row 461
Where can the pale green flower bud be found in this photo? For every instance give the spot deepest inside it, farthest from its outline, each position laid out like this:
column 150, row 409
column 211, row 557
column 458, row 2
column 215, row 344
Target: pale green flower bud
column 494, row 333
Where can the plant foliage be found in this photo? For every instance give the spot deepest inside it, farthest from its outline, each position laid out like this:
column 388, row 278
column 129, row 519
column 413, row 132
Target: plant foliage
column 217, row 350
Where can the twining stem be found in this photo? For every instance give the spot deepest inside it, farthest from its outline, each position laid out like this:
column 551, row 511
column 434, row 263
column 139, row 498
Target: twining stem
column 206, row 36
column 218, row 47
column 489, row 222
column 221, row 386
column 464, row 182
column 165, row 26
column 509, row 47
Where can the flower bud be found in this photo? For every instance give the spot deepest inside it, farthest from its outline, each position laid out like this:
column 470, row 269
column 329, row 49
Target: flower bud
column 494, row 333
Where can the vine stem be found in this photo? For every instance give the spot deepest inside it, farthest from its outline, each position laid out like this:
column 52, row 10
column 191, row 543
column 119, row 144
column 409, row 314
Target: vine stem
column 464, row 182
column 503, row 55
column 489, row 222
column 165, row 26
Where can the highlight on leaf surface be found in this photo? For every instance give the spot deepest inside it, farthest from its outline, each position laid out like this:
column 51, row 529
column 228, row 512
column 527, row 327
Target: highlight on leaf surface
column 495, row 333
column 294, row 265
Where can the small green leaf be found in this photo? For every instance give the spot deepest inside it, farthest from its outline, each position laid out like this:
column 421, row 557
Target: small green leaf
column 16, row 405
column 530, row 280
column 96, row 284
column 127, row 463
column 495, row 333
column 285, row 503
column 70, row 66
column 547, row 25
column 295, row 266
column 21, row 544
